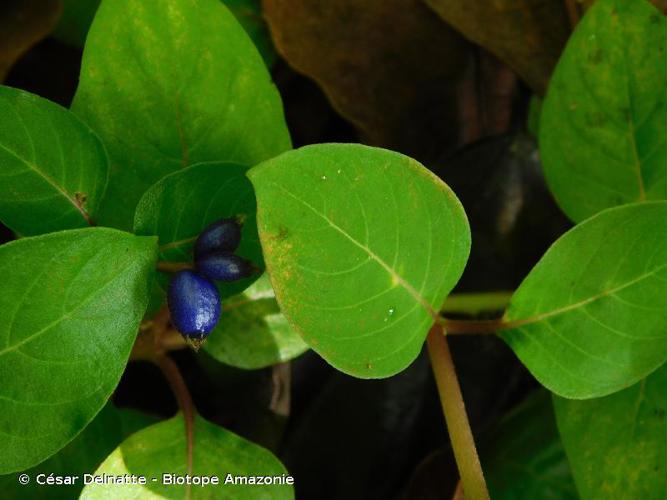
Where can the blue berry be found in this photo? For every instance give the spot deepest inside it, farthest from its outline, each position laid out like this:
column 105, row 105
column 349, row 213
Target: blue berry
column 224, row 266
column 223, row 235
column 194, row 304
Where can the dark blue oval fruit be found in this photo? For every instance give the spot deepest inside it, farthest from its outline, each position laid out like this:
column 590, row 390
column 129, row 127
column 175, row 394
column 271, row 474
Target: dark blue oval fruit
column 194, row 304
column 224, row 266
column 223, row 235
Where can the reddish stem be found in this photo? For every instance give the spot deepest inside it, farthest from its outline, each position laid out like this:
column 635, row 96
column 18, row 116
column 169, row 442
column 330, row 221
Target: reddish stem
column 453, row 407
column 180, row 390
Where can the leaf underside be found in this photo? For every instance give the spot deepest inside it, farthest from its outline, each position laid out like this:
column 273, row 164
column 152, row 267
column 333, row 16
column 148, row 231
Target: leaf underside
column 253, row 333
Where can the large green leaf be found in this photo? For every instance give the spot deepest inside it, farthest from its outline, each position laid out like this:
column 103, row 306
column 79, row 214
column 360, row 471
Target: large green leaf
column 53, row 169
column 170, row 83
column 362, row 246
column 616, row 444
column 179, row 206
column 524, row 458
column 591, row 317
column 601, row 130
column 71, row 305
column 160, row 449
column 78, row 15
column 82, row 456
column 252, row 332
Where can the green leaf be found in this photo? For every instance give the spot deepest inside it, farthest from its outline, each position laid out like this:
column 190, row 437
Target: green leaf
column 524, row 457
column 616, row 444
column 591, row 317
column 249, row 14
column 78, row 15
column 362, row 246
column 179, row 206
column 53, row 169
column 72, row 302
column 82, row 456
column 252, row 332
column 601, row 131
column 169, row 84
column 160, row 449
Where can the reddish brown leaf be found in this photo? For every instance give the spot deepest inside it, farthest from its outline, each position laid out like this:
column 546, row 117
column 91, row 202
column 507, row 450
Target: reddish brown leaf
column 391, row 67
column 526, row 34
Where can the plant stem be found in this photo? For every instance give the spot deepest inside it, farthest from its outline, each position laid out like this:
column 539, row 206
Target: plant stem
column 458, row 492
column 470, row 326
column 173, row 267
column 180, row 390
column 475, row 303
column 156, row 337
column 453, row 407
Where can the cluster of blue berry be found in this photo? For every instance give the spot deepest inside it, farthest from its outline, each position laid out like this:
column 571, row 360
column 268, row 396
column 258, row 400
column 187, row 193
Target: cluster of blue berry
column 194, row 301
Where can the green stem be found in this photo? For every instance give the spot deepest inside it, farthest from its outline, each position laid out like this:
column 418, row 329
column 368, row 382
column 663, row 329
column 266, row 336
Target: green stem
column 453, row 407
column 475, row 303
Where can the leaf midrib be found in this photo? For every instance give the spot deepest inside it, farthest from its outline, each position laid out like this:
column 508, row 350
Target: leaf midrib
column 64, row 317
column 51, row 181
column 510, row 324
column 392, row 272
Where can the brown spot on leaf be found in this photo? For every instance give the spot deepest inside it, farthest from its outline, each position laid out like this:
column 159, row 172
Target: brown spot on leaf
column 81, row 199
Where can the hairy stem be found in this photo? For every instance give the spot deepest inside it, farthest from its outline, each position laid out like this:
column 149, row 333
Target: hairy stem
column 180, row 390
column 463, row 444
